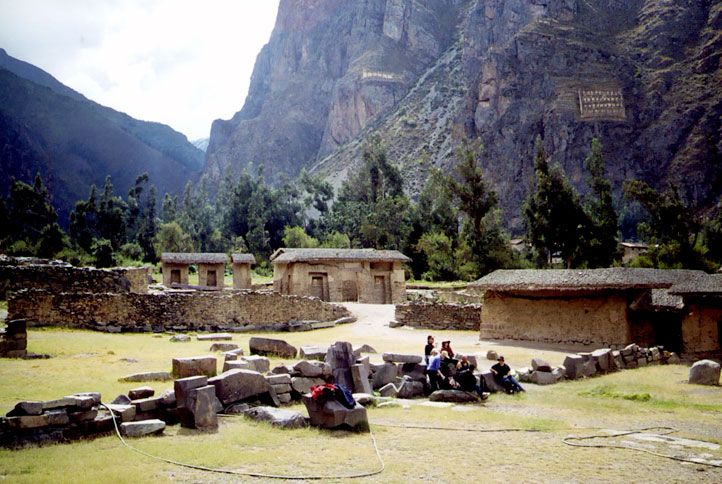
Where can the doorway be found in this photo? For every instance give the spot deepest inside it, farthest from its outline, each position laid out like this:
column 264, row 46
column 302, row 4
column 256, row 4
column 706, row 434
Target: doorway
column 211, row 279
column 175, row 276
column 319, row 286
column 380, row 293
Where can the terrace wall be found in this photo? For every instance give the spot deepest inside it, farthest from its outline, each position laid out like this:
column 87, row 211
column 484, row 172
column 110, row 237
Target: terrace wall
column 178, row 311
column 439, row 316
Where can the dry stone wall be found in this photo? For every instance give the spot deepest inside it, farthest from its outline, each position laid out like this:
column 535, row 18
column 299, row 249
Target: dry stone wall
column 180, row 311
column 15, row 275
column 439, row 316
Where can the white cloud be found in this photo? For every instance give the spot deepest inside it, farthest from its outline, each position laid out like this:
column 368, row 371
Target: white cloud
column 180, row 62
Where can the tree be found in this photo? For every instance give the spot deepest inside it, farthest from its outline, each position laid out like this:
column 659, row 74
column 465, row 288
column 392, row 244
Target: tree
column 336, row 240
column 554, row 217
column 296, row 237
column 32, row 222
column 147, row 229
column 133, row 216
column 171, row 238
column 372, row 208
column 111, row 216
column 601, row 246
column 713, row 236
column 438, row 249
column 671, row 225
column 481, row 228
column 168, row 211
column 103, row 253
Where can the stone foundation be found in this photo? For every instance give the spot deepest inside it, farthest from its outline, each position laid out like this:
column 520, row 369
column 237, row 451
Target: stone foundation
column 180, row 311
column 439, row 316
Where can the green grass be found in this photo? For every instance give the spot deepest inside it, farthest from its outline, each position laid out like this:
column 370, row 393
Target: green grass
column 92, row 361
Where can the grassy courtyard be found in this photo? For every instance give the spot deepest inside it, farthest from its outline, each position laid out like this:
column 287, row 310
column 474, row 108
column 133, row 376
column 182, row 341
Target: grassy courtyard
column 90, row 361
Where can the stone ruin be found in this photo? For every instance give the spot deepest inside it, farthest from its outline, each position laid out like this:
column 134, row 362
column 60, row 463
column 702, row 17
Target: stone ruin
column 14, row 341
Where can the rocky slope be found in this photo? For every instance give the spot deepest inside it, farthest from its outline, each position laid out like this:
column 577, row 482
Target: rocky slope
column 642, row 75
column 72, row 142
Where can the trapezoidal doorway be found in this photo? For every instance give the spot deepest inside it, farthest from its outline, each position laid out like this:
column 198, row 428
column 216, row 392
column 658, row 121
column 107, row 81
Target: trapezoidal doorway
column 175, row 276
column 319, row 285
column 211, row 279
column 382, row 292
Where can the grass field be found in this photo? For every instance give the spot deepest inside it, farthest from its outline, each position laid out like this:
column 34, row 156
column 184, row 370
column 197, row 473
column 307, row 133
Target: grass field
column 90, row 361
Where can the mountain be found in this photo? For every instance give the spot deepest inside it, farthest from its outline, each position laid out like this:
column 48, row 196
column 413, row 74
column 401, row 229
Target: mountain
column 73, row 142
column 642, row 75
column 201, row 144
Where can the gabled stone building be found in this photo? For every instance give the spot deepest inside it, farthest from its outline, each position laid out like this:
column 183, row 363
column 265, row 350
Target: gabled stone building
column 358, row 275
column 211, row 268
column 242, row 270
column 608, row 307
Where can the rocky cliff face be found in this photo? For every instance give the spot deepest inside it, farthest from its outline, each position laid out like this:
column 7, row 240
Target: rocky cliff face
column 642, row 75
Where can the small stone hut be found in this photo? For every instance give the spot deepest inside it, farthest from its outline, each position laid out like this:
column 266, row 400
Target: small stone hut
column 242, row 270
column 211, row 268
column 702, row 319
column 606, row 307
column 359, row 275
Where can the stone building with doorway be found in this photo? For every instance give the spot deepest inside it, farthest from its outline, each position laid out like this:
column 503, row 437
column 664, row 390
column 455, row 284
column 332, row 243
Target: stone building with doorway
column 211, row 268
column 701, row 328
column 357, row 275
column 604, row 307
column 242, row 270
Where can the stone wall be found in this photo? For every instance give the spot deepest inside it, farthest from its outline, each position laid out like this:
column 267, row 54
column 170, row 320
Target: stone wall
column 115, row 312
column 439, row 316
column 68, row 278
column 701, row 328
column 600, row 320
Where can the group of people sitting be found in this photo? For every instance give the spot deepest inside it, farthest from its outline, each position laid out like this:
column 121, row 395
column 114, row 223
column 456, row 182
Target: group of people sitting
column 445, row 372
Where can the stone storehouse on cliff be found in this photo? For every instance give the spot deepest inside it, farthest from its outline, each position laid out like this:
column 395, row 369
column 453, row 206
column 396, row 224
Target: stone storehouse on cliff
column 358, row 275
column 607, row 307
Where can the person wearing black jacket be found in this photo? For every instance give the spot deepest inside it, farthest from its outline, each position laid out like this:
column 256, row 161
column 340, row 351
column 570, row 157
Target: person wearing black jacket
column 466, row 379
column 427, row 349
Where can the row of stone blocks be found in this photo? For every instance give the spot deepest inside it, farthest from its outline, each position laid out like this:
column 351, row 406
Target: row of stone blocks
column 69, row 418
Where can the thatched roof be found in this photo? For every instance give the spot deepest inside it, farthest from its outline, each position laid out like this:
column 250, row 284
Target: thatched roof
column 658, row 300
column 286, row 256
column 570, row 280
column 243, row 259
column 193, row 258
column 703, row 285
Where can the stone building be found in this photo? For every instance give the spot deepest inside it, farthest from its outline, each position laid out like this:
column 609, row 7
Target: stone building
column 211, row 268
column 702, row 318
column 608, row 307
column 242, row 270
column 358, row 275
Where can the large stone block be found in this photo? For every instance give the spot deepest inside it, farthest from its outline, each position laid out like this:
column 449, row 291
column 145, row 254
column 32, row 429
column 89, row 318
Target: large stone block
column 193, row 366
column 303, row 385
column 389, row 390
column 281, row 379
column 27, row 422
column 704, row 372
column 200, row 411
column 183, row 386
column 399, row 358
column 270, row 346
column 383, row 374
column 26, row 408
column 333, row 415
column 490, row 381
column 454, row 396
column 223, row 347
column 340, row 357
column 313, row 352
column 538, row 364
column 410, row 389
column 142, row 428
column 603, row 359
column 544, row 377
column 238, row 365
column 215, row 337
column 361, row 379
column 235, row 385
column 148, row 404
column 140, row 392
column 261, row 364
column 357, row 350
column 126, row 413
column 574, row 365
column 308, row 369
column 286, row 419
column 147, row 376
column 415, row 371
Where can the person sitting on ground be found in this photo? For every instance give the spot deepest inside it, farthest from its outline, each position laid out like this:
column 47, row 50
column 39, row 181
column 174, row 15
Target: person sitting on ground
column 466, row 380
column 446, row 346
column 427, row 349
column 502, row 374
column 433, row 371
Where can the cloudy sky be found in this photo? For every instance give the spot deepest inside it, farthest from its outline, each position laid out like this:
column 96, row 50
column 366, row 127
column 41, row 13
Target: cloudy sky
column 179, row 62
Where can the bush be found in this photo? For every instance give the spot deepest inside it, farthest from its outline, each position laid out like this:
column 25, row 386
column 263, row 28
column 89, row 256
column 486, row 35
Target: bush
column 131, row 251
